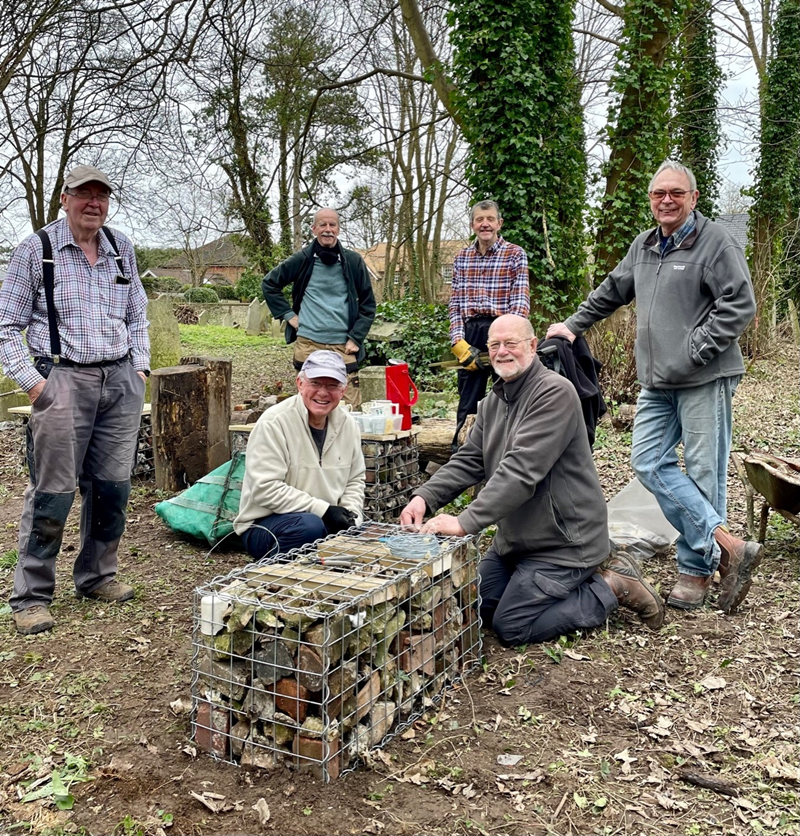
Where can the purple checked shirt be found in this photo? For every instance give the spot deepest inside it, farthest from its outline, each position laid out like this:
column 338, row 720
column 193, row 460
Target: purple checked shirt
column 98, row 318
column 488, row 285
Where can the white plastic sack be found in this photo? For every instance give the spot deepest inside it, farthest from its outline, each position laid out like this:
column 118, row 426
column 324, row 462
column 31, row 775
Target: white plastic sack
column 636, row 522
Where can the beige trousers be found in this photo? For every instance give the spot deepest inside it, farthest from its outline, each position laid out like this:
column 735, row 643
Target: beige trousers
column 303, row 347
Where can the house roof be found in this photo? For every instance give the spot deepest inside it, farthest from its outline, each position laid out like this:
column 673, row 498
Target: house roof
column 736, row 225
column 224, row 252
column 375, row 256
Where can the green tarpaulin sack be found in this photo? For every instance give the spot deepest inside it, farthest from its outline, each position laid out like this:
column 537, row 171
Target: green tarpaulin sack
column 207, row 509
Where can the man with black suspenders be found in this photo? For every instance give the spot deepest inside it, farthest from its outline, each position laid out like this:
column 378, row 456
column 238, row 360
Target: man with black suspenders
column 75, row 287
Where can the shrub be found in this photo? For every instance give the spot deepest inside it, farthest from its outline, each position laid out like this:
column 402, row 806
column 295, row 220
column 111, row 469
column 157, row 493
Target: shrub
column 424, row 339
column 158, row 284
column 612, row 342
column 226, row 291
column 166, row 284
column 201, row 294
column 249, row 287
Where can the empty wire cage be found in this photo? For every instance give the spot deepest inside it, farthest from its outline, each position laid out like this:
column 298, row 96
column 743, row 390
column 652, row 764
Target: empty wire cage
column 314, row 658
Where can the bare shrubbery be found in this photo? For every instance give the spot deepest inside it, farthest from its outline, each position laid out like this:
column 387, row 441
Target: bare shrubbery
column 612, row 343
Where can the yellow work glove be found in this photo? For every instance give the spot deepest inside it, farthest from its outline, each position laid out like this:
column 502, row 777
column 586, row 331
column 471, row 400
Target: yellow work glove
column 467, row 355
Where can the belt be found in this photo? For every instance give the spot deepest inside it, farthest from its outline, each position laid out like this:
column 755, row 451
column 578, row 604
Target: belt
column 65, row 361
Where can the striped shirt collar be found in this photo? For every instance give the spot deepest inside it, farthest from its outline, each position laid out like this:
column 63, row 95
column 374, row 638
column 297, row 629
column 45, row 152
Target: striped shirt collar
column 493, row 249
column 677, row 238
column 65, row 237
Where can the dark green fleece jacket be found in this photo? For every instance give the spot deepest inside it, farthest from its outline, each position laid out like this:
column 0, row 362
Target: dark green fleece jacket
column 296, row 271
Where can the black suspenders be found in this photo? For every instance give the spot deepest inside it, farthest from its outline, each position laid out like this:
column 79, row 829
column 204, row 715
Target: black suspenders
column 49, row 276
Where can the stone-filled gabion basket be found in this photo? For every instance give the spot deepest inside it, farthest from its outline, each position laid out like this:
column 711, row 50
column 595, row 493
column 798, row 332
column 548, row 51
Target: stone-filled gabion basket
column 314, row 658
column 392, row 473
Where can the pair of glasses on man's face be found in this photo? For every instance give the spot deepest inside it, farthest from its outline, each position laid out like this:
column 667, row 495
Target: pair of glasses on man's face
column 330, row 387
column 675, row 194
column 511, row 345
column 85, row 194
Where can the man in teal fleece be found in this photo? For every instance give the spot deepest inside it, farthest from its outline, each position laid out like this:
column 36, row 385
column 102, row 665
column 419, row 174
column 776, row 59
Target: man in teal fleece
column 332, row 306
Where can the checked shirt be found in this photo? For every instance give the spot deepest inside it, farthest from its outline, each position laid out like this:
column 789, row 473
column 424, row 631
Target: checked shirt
column 99, row 318
column 488, row 285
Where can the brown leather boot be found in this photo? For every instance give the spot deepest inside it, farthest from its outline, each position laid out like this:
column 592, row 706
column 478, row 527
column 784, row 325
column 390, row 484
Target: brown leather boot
column 689, row 592
column 738, row 560
column 623, row 575
column 33, row 620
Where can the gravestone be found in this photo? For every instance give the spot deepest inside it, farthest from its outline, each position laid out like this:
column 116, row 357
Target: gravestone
column 266, row 317
column 227, row 320
column 202, row 318
column 165, row 336
column 253, row 327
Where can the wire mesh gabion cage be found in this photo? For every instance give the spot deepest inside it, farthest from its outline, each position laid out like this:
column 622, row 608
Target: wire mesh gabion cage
column 311, row 659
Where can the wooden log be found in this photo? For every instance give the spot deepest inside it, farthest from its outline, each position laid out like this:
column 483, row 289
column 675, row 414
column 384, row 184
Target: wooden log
column 190, row 414
column 435, row 441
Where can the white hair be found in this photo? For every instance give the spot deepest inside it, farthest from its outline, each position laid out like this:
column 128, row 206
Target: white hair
column 671, row 165
column 324, row 209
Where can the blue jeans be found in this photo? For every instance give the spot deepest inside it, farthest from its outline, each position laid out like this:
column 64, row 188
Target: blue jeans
column 280, row 533
column 694, row 499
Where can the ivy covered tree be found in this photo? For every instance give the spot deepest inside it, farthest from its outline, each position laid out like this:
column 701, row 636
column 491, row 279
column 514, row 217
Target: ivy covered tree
column 774, row 226
column 638, row 122
column 697, row 119
column 518, row 102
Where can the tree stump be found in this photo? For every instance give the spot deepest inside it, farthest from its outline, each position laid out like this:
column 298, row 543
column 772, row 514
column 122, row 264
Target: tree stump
column 191, row 408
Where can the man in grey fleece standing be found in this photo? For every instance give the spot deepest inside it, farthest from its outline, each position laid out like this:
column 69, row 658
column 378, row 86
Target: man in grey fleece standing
column 541, row 577
column 694, row 298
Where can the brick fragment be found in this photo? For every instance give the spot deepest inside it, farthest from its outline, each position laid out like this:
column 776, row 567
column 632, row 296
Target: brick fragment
column 212, row 726
column 416, row 651
column 315, row 755
column 292, row 698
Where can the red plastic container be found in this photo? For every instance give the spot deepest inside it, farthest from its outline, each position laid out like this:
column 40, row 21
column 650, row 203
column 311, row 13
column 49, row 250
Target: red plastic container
column 400, row 389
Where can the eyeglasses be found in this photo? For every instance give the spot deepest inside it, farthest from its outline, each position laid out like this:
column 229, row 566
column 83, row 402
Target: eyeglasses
column 331, row 387
column 86, row 194
column 511, row 345
column 675, row 194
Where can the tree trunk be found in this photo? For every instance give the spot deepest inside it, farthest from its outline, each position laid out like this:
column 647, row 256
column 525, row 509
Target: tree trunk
column 191, row 409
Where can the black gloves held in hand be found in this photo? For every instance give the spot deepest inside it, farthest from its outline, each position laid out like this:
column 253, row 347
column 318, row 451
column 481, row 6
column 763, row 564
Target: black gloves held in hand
column 337, row 518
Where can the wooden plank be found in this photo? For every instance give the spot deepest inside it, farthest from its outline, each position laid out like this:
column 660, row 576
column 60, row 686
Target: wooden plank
column 26, row 410
column 431, row 567
column 343, row 586
column 390, row 436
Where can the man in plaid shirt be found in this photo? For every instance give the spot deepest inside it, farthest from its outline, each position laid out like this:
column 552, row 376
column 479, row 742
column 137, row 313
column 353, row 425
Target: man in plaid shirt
column 490, row 278
column 86, row 394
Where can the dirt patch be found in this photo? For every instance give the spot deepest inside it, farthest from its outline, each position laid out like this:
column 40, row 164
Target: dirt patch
column 604, row 733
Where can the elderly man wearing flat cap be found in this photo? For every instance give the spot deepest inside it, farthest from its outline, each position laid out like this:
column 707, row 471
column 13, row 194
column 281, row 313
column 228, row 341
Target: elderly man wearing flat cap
column 74, row 289
column 304, row 477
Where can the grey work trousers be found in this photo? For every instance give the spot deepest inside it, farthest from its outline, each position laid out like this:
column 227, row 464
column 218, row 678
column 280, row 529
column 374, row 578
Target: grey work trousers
column 83, row 428
column 526, row 600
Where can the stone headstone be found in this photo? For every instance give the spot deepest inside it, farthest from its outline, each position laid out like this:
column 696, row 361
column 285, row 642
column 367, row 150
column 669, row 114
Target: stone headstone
column 227, row 320
column 253, row 327
column 165, row 336
column 276, row 327
column 372, row 382
column 266, row 317
column 202, row 318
